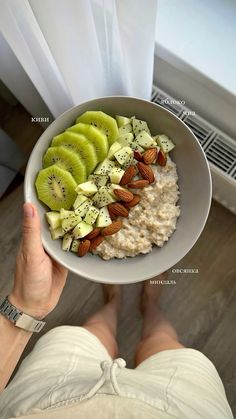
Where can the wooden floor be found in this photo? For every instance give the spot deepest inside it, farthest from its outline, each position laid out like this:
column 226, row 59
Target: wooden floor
column 201, row 306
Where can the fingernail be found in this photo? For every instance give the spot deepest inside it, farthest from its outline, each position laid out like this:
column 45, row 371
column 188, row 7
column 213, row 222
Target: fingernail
column 28, row 211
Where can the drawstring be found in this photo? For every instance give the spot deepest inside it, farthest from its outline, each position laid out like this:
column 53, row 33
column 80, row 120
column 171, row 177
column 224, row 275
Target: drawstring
column 107, row 367
column 119, row 362
column 108, row 371
column 96, row 387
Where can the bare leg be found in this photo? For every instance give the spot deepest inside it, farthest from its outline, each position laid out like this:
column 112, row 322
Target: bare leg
column 103, row 324
column 157, row 334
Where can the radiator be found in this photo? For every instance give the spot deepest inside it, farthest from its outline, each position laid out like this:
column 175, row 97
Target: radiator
column 219, row 148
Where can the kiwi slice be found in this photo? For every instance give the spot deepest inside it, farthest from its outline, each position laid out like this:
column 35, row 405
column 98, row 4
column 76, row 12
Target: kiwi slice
column 95, row 136
column 80, row 145
column 67, row 160
column 56, row 188
column 102, row 121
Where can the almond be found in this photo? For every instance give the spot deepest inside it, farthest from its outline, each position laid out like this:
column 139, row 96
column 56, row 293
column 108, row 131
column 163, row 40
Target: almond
column 123, row 195
column 161, row 158
column 95, row 242
column 138, row 184
column 93, row 233
column 118, row 210
column 112, row 216
column 138, row 156
column 128, row 175
column 134, row 202
column 150, row 156
column 146, row 172
column 83, row 248
column 113, row 228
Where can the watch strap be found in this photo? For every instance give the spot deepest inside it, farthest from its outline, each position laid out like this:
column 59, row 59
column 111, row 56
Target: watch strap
column 20, row 319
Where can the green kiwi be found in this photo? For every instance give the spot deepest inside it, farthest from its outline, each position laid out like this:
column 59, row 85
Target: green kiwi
column 80, row 145
column 95, row 136
column 102, row 121
column 56, row 188
column 67, row 160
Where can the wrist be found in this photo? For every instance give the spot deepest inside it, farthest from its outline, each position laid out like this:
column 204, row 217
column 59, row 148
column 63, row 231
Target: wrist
column 36, row 312
column 13, row 330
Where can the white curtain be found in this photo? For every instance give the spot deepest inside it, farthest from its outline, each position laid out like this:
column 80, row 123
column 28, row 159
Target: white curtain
column 75, row 50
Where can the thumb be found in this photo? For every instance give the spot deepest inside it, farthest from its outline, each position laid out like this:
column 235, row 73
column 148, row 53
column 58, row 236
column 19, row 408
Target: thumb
column 31, row 230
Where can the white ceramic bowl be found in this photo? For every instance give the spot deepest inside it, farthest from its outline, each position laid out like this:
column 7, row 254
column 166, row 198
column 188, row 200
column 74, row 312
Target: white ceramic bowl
column 194, row 184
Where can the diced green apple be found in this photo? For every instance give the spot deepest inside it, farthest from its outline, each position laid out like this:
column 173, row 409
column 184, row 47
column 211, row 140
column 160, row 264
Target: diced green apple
column 164, row 142
column 102, row 197
column 69, row 223
column 83, row 208
column 136, row 147
column 116, row 175
column 113, row 149
column 123, row 155
column 104, row 167
column 145, row 140
column 139, row 125
column 125, row 139
column 79, row 201
column 65, row 213
column 91, row 215
column 87, row 188
column 56, row 233
column 99, row 180
column 82, row 229
column 104, row 218
column 53, row 219
column 66, row 242
column 125, row 129
column 75, row 246
column 122, row 120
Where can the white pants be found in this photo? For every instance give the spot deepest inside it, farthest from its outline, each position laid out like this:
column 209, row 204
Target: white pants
column 70, row 365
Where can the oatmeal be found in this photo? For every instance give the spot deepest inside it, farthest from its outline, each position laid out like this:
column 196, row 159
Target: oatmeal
column 150, row 222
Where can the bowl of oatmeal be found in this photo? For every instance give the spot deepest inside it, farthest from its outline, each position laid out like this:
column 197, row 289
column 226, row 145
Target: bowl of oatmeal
column 171, row 213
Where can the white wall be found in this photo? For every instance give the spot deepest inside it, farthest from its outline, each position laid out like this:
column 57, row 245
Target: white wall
column 203, row 34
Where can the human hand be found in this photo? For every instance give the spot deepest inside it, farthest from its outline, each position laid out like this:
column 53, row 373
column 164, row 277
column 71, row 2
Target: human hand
column 39, row 280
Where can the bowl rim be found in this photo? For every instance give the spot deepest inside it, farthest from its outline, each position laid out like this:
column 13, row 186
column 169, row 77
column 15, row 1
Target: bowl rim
column 174, row 260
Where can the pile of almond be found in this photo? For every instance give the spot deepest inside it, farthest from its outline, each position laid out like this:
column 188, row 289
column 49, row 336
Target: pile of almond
column 127, row 198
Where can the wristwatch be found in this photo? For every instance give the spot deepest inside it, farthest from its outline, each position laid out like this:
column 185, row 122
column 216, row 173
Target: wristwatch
column 20, row 319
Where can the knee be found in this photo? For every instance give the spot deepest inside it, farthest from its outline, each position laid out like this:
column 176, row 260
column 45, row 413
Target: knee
column 142, row 350
column 114, row 352
column 152, row 344
column 109, row 341
column 106, row 338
